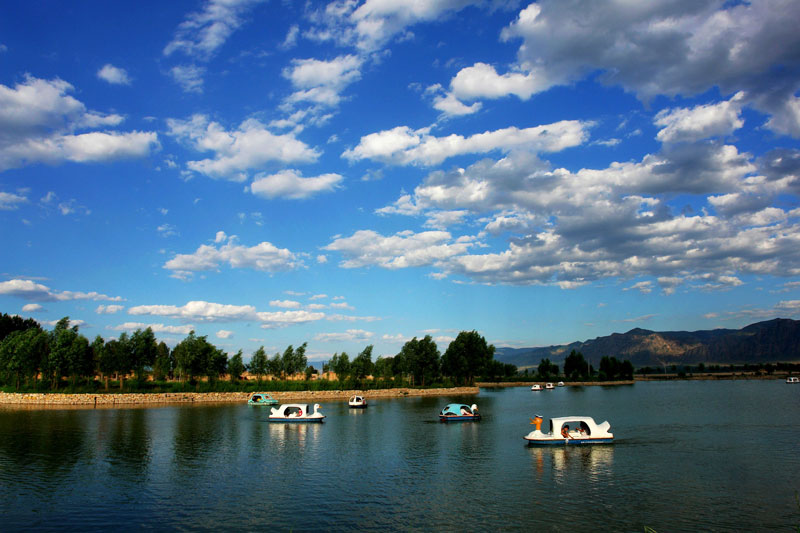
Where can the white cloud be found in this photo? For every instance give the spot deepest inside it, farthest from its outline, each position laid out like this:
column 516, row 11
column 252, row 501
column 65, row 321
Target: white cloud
column 404, row 146
column 30, row 290
column 108, row 309
column 264, row 257
column 481, row 81
column 291, row 184
column 157, row 328
column 10, row 201
column 250, row 147
column 39, row 120
column 667, row 48
column 701, row 122
column 351, row 335
column 224, row 334
column 286, row 304
column 189, row 77
column 32, row 308
column 114, row 75
column 401, row 250
column 203, row 32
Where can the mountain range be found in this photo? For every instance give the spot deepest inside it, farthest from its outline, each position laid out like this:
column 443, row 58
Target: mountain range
column 771, row 341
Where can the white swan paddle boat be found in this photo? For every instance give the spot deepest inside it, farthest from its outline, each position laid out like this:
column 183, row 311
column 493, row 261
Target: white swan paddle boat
column 357, row 402
column 560, row 384
column 549, row 386
column 792, row 379
column 536, row 387
column 295, row 412
column 570, row 430
column 262, row 399
column 458, row 412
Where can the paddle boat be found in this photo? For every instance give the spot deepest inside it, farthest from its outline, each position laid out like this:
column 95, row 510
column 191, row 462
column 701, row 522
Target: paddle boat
column 560, row 384
column 536, row 386
column 570, row 430
column 357, row 402
column 295, row 412
column 457, row 412
column 549, row 386
column 262, row 399
column 792, row 379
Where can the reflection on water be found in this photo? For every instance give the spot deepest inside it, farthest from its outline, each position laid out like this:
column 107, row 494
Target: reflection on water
column 564, row 462
column 395, row 467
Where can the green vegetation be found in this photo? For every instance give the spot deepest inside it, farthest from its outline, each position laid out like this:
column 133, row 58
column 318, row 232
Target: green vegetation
column 63, row 360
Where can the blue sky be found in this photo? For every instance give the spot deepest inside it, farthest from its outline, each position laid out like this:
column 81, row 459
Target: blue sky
column 363, row 172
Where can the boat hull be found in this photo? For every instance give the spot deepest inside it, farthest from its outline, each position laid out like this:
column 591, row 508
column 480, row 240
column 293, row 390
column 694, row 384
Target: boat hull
column 364, row 406
column 297, row 420
column 567, row 442
column 459, row 418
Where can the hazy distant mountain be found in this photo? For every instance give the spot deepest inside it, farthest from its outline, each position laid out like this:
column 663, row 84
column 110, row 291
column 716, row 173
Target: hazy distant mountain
column 763, row 342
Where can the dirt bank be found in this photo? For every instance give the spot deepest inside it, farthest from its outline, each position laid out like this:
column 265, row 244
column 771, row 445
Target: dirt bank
column 110, row 400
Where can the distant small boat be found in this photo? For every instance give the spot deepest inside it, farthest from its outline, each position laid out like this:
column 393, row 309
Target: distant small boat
column 792, row 379
column 457, row 412
column 570, row 430
column 536, row 386
column 549, row 386
column 295, row 412
column 262, row 399
column 357, row 402
column 560, row 384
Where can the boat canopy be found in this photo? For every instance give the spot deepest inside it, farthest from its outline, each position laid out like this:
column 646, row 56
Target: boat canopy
column 586, row 423
column 456, row 408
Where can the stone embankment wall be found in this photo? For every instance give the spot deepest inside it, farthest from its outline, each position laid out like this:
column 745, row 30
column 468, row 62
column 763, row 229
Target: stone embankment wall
column 106, row 400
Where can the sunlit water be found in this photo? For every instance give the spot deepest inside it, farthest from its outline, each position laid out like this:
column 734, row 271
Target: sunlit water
column 688, row 456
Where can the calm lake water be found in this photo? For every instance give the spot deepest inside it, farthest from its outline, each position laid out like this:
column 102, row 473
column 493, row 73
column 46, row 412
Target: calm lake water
column 688, row 456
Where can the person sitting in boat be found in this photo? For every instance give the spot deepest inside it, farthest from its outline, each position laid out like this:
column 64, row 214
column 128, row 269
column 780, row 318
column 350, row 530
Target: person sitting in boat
column 565, row 431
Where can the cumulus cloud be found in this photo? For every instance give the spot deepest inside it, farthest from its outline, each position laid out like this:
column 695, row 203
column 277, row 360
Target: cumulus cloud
column 10, row 201
column 108, row 309
column 32, row 308
column 373, row 23
column 39, row 123
column 236, row 152
column 203, row 311
column 701, row 122
column 204, row 32
column 668, row 48
column 401, row 250
column 291, row 184
column 114, row 75
column 351, row 335
column 404, row 146
column 31, row 290
column 286, row 304
column 265, row 257
column 224, row 334
column 157, row 328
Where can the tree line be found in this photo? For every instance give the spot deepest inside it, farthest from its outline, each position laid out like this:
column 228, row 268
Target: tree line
column 577, row 368
column 33, row 358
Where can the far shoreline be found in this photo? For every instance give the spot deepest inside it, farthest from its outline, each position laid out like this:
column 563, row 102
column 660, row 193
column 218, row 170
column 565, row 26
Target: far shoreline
column 132, row 399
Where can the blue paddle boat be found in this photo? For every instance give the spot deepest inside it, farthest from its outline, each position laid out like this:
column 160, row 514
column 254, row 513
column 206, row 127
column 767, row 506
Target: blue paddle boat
column 458, row 412
column 262, row 399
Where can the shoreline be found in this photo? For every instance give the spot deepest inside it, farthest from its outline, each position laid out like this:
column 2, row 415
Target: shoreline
column 91, row 400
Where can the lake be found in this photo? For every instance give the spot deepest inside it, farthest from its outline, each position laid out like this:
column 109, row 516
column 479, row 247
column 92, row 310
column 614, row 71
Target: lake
column 688, row 456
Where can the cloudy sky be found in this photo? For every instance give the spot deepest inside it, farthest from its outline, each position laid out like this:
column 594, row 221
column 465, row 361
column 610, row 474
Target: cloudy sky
column 357, row 172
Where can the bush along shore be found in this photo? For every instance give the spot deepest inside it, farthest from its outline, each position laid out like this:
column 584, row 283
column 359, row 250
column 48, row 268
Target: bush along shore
column 115, row 399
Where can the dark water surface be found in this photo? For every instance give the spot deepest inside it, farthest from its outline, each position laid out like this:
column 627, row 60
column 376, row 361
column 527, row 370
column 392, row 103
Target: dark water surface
column 688, row 456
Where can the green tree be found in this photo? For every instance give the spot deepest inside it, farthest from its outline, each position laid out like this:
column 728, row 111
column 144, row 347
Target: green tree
column 575, row 366
column 236, row 367
column 275, row 366
column 422, row 360
column 547, row 370
column 21, row 352
column 217, row 365
column 259, row 363
column 195, row 356
column 143, row 349
column 468, row 356
column 122, row 358
column 362, row 366
column 164, row 365
column 340, row 364
column 383, row 367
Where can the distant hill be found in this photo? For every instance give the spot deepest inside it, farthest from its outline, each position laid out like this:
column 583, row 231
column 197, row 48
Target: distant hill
column 771, row 341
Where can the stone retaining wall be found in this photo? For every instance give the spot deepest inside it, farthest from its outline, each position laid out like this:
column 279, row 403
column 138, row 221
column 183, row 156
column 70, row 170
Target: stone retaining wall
column 108, row 400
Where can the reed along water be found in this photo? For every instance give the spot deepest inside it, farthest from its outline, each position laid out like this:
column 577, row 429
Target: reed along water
column 687, row 456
